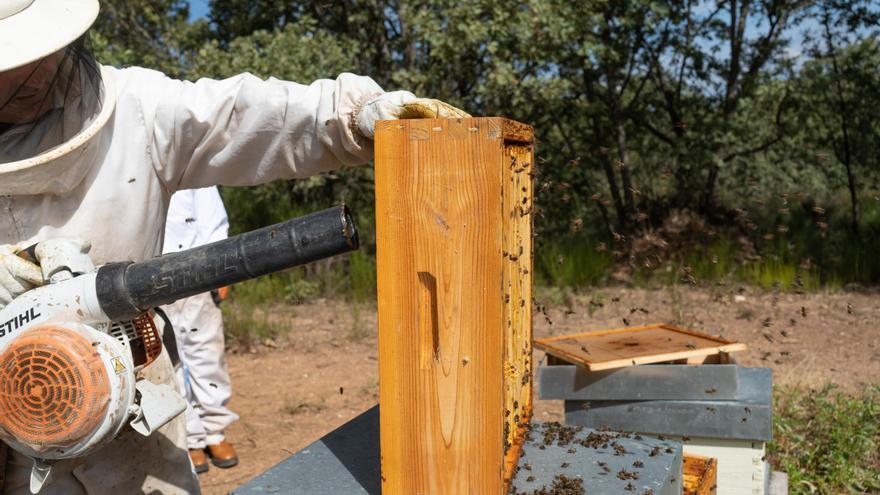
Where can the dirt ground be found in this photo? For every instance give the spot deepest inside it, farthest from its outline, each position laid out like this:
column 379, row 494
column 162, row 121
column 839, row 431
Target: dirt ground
column 325, row 372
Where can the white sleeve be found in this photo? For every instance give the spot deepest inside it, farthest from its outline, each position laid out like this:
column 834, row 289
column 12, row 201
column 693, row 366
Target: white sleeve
column 245, row 131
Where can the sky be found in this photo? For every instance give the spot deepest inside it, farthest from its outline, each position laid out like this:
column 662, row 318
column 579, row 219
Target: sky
column 197, row 9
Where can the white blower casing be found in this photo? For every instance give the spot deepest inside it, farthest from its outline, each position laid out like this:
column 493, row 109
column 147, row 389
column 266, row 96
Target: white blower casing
column 68, row 376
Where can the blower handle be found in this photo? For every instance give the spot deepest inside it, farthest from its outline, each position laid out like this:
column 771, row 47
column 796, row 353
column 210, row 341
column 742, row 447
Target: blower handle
column 126, row 290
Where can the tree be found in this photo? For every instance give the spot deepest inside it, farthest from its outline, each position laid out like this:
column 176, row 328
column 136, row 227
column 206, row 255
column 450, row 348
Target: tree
column 839, row 80
column 149, row 33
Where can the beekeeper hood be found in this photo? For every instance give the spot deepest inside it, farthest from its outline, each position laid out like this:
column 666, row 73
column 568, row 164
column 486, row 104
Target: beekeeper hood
column 51, row 90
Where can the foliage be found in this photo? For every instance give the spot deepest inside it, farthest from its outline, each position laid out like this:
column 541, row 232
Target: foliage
column 827, row 441
column 748, row 115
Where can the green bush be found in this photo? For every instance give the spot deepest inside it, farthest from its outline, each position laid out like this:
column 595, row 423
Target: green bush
column 827, row 441
column 572, row 264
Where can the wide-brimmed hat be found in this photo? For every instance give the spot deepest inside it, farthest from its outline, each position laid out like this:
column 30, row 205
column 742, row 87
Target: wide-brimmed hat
column 32, row 29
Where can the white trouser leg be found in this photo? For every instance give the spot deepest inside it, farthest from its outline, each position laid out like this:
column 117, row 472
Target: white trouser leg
column 199, row 330
column 195, row 431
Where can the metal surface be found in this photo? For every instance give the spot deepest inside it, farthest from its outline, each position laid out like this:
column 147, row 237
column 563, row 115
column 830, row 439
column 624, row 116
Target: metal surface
column 346, row 461
column 601, row 468
column 717, row 419
column 654, row 382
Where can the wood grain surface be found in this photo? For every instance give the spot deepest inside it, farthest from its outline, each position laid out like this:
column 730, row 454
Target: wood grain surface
column 608, row 349
column 454, row 304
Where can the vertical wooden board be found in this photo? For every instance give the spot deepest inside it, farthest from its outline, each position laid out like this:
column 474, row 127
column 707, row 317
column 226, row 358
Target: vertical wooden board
column 439, row 267
column 516, row 209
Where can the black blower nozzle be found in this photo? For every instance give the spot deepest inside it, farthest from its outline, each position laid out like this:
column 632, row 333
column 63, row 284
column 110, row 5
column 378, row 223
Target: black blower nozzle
column 126, row 290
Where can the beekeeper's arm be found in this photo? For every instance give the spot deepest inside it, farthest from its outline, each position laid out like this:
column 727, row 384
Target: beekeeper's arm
column 246, row 131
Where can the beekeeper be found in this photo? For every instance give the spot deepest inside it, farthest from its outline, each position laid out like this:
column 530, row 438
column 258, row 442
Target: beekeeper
column 197, row 217
column 96, row 152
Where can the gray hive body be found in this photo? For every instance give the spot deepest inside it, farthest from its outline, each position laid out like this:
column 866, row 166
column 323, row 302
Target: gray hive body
column 654, row 382
column 716, row 419
column 719, row 401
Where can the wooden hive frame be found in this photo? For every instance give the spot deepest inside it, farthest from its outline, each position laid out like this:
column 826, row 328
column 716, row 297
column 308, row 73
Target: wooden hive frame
column 454, row 258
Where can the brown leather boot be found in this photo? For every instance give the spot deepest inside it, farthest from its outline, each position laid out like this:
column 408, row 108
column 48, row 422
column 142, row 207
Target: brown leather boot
column 223, row 454
column 199, row 460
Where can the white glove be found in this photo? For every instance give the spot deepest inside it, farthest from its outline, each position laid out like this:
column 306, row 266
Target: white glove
column 17, row 275
column 61, row 255
column 56, row 258
column 402, row 105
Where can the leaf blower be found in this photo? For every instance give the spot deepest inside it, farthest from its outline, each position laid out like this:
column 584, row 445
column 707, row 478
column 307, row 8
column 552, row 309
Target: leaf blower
column 70, row 351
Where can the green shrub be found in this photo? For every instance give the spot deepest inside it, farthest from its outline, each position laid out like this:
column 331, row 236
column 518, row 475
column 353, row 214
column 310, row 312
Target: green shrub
column 827, row 441
column 573, row 264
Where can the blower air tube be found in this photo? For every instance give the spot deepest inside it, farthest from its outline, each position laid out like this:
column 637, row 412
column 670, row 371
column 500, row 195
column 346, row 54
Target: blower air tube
column 127, row 289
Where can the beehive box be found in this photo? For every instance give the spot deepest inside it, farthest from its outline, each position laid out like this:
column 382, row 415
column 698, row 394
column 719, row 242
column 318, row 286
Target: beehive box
column 454, row 262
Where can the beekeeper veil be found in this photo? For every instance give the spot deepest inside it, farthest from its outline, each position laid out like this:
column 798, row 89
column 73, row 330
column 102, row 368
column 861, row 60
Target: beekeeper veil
column 50, row 86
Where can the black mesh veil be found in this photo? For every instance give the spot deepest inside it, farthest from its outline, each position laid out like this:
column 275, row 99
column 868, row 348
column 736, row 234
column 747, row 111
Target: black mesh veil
column 46, row 103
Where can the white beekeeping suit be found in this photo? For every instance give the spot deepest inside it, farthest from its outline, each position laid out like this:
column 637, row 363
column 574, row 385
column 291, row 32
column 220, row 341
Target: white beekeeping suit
column 112, row 185
column 95, row 152
column 197, row 217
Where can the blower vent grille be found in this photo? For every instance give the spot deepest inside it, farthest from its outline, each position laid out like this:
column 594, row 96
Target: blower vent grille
column 141, row 335
column 53, row 388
